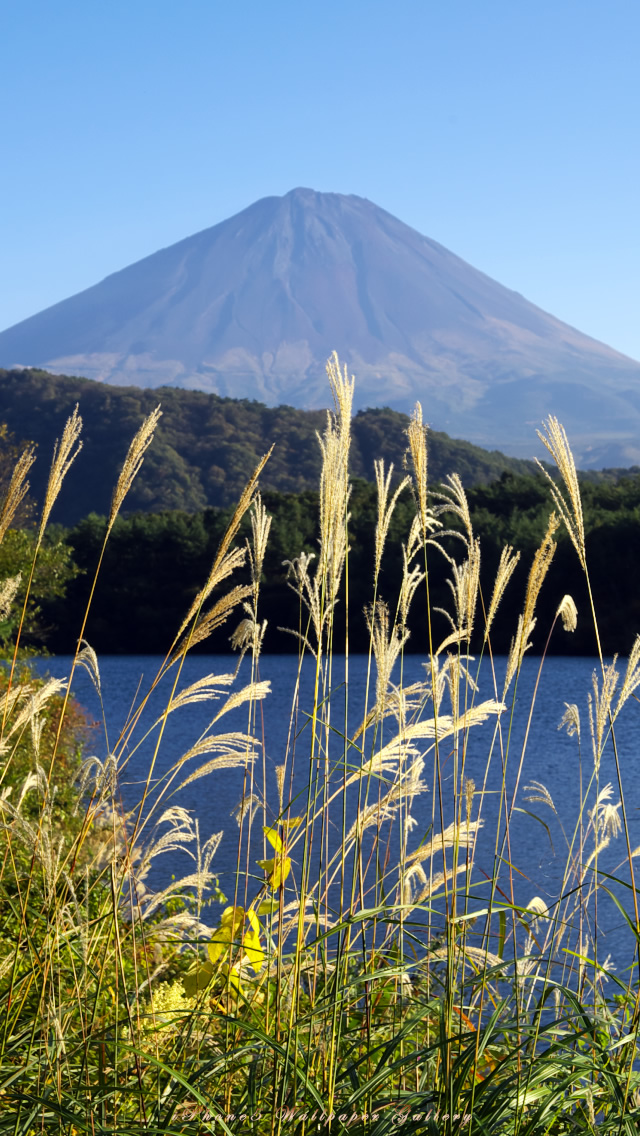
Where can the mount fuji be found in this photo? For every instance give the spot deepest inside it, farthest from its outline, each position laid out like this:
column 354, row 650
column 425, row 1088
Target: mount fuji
column 252, row 308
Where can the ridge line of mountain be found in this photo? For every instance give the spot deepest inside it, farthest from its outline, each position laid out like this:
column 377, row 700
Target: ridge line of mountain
column 206, row 445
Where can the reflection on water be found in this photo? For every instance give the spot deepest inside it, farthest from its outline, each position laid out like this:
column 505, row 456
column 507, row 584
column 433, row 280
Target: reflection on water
column 535, row 855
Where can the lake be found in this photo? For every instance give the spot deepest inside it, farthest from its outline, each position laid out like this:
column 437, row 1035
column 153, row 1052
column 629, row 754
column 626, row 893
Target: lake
column 551, row 757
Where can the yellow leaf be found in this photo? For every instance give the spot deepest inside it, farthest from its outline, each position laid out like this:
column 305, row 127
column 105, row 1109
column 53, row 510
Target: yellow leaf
column 278, row 870
column 229, row 931
column 281, row 871
column 273, row 838
column 251, row 942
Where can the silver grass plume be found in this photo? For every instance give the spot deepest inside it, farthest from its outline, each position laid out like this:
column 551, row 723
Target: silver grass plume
column 600, row 712
column 252, row 692
column 462, row 835
column 260, row 528
column 407, row 786
column 571, row 720
column 539, row 568
column 280, row 774
column 411, row 580
column 213, row 618
column 205, row 689
column 464, row 586
column 631, row 679
column 568, row 613
column 605, row 821
column 430, row 884
column 247, row 808
column 453, row 499
column 64, row 454
column 417, row 435
column 385, row 508
column 132, row 463
column 100, row 777
column 539, row 911
column 570, row 507
column 36, row 699
column 181, row 831
column 88, row 660
column 469, row 793
column 334, row 479
column 249, row 634
column 225, row 562
column 520, row 643
column 539, row 792
column 8, row 592
column 18, row 489
column 306, row 588
column 506, row 568
column 387, row 643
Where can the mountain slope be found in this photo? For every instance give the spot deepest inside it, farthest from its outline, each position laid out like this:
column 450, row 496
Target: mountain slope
column 253, row 306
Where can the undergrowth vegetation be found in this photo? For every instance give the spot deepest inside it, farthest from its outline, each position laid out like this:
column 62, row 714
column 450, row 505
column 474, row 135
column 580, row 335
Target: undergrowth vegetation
column 363, row 975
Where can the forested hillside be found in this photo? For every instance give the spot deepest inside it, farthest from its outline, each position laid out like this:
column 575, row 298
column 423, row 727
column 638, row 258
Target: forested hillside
column 205, row 446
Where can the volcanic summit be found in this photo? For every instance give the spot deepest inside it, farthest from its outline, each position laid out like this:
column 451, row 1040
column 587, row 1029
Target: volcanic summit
column 253, row 307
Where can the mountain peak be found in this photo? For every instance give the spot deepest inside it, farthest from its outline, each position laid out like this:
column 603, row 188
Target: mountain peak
column 253, row 306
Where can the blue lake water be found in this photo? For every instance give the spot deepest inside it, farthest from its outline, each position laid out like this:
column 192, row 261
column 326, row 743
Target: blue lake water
column 551, row 757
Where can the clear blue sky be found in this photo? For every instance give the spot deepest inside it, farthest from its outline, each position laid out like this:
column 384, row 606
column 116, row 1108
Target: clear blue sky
column 505, row 129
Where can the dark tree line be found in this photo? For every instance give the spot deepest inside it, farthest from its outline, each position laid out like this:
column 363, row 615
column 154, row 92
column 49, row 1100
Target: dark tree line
column 155, row 564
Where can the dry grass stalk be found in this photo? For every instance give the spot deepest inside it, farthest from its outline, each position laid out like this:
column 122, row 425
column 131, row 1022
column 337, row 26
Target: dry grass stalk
column 417, row 435
column 571, row 719
column 202, row 690
column 214, row 618
column 224, row 564
column 64, row 455
column 601, row 716
column 526, row 623
column 631, row 680
column 335, row 444
column 411, row 581
column 454, row 500
column 385, row 508
column 132, row 463
column 520, row 643
column 88, row 660
column 508, row 563
column 260, row 528
column 252, row 692
column 8, row 592
column 455, row 835
column 17, row 491
column 469, row 792
column 539, row 792
column 387, row 643
column 464, row 586
column 556, row 441
column 539, row 568
column 568, row 612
